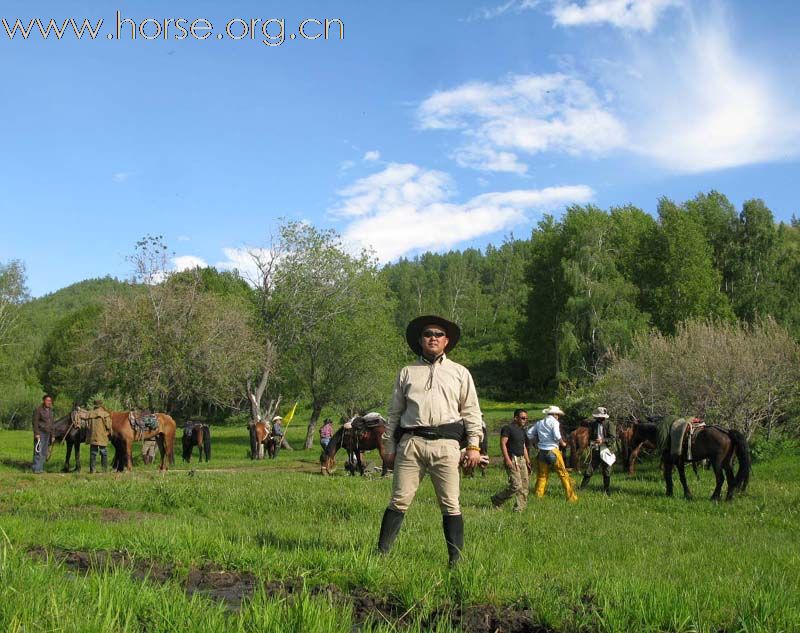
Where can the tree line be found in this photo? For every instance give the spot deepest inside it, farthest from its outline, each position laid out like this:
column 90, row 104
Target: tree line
column 554, row 313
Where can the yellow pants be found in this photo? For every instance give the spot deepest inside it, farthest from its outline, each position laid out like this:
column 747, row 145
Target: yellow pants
column 543, row 474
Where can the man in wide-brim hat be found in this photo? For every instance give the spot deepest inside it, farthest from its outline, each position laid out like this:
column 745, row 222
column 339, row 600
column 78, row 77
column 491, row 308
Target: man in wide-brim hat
column 547, row 433
column 434, row 406
column 602, row 435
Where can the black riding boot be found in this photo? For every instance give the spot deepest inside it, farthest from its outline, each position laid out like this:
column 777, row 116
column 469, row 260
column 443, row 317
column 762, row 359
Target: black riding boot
column 390, row 526
column 92, row 461
column 607, row 484
column 453, row 525
column 104, row 461
column 585, row 481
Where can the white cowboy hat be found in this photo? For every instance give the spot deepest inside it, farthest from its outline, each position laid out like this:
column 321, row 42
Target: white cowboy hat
column 600, row 412
column 607, row 456
column 553, row 410
column 276, row 418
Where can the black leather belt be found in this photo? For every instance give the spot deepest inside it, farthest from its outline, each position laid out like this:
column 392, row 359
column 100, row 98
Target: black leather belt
column 451, row 431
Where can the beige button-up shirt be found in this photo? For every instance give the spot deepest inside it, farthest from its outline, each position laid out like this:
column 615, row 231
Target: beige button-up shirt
column 430, row 394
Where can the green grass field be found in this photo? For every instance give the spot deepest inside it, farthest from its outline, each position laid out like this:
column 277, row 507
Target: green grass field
column 274, row 546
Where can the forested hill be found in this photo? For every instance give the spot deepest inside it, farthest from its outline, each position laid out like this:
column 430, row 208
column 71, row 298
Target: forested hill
column 41, row 314
column 551, row 311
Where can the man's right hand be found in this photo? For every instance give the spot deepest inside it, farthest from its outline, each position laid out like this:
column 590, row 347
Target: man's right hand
column 36, row 437
column 388, row 459
column 509, row 464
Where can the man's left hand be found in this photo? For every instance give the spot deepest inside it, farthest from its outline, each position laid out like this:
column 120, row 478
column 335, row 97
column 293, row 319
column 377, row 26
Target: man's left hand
column 472, row 458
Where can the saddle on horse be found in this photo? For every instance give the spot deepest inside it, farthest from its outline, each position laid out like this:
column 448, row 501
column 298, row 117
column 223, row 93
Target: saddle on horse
column 677, row 434
column 365, row 422
column 145, row 423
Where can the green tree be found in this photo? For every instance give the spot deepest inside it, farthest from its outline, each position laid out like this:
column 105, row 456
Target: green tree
column 329, row 313
column 688, row 284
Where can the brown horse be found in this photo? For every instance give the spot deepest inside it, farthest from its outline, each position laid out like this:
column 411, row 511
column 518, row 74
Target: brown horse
column 641, row 436
column 355, row 440
column 261, row 441
column 716, row 444
column 578, row 444
column 123, row 436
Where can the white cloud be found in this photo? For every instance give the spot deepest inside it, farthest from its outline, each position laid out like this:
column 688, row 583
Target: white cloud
column 406, row 208
column 245, row 260
column 640, row 15
column 523, row 113
column 513, row 6
column 346, row 165
column 700, row 105
column 372, row 155
column 188, row 262
column 121, row 176
column 184, row 238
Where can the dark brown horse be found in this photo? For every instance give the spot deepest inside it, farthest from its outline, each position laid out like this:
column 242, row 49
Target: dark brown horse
column 68, row 429
column 123, row 436
column 198, row 435
column 355, row 440
column 261, row 441
column 716, row 444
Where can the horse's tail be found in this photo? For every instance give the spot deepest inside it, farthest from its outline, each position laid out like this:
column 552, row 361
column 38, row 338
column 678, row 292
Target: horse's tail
column 743, row 455
column 207, row 441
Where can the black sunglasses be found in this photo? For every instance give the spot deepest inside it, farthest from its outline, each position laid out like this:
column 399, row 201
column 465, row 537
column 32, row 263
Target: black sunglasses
column 433, row 334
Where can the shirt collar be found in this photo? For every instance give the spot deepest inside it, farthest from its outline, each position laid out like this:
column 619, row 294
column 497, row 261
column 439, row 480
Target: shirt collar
column 439, row 359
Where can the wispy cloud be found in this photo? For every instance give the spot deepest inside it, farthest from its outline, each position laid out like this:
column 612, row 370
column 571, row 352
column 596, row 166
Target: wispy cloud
column 701, row 105
column 406, row 208
column 523, row 113
column 121, row 176
column 638, row 15
column 372, row 156
column 511, row 6
column 183, row 238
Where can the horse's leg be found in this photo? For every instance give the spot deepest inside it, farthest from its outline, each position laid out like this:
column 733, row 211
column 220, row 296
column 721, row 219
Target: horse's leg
column 681, row 465
column 65, row 469
column 632, row 459
column 668, row 472
column 719, row 476
column 728, row 468
column 162, row 449
column 129, row 454
column 77, row 456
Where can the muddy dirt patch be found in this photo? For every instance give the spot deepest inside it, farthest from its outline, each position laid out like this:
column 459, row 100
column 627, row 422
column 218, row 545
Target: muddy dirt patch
column 230, row 587
column 115, row 515
column 233, row 588
column 100, row 560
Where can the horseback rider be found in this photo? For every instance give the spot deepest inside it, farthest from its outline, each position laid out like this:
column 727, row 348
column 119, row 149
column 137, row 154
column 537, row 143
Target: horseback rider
column 434, row 405
column 99, row 432
column 602, row 440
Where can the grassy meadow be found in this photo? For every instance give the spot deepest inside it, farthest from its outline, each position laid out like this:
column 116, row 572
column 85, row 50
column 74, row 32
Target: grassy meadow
column 236, row 545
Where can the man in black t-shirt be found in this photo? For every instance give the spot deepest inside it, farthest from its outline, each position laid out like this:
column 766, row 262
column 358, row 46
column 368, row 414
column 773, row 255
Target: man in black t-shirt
column 518, row 464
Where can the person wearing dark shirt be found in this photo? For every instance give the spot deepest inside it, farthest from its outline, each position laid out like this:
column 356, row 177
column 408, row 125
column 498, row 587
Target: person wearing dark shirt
column 42, row 432
column 517, row 462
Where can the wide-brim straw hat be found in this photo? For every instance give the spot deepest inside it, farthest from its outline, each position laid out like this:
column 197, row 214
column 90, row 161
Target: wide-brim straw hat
column 553, row 410
column 277, row 418
column 600, row 412
column 414, row 332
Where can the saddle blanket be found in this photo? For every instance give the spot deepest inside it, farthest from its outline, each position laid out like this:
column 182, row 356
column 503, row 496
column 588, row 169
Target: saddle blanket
column 144, row 423
column 677, row 433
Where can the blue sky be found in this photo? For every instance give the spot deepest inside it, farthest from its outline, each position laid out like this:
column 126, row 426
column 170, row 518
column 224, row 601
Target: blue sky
column 430, row 125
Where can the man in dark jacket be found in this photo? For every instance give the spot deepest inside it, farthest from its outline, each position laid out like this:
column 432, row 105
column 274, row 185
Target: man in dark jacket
column 42, row 432
column 602, row 440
